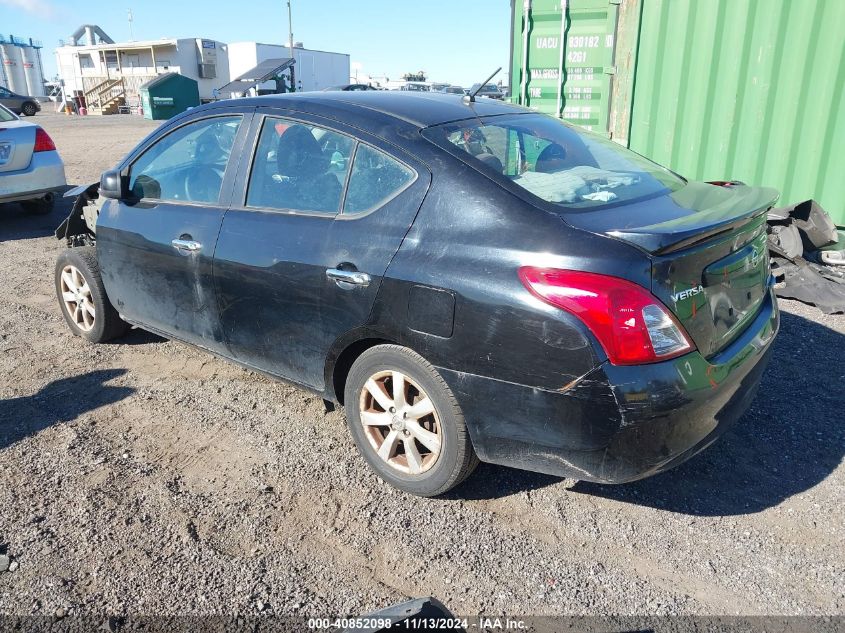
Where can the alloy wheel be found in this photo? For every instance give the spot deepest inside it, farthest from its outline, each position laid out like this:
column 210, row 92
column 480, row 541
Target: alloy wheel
column 400, row 422
column 76, row 295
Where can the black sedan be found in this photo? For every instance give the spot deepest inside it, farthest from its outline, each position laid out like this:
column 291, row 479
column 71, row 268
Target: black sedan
column 471, row 280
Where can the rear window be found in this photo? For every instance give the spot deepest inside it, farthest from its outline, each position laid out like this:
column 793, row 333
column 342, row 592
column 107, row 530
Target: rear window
column 554, row 161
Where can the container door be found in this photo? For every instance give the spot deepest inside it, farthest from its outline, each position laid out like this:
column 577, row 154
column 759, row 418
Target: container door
column 569, row 66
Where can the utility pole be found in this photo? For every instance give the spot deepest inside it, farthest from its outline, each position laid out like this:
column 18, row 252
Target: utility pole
column 290, row 44
column 129, row 17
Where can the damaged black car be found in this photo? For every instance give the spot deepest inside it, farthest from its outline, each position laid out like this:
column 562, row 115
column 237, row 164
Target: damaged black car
column 470, row 280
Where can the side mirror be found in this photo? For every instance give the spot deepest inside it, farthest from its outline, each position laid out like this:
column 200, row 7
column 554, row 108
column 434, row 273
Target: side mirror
column 111, row 185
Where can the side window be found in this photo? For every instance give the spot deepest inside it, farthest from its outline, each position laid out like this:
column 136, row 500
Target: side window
column 376, row 177
column 188, row 164
column 298, row 167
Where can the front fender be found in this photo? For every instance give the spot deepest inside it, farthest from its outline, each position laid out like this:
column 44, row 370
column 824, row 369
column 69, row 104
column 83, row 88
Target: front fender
column 74, row 224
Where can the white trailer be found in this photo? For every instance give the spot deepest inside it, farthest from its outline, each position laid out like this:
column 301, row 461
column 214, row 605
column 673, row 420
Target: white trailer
column 86, row 66
column 314, row 70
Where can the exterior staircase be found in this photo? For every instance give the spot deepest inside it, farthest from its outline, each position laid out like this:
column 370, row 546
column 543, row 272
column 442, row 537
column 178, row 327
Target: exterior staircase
column 106, row 97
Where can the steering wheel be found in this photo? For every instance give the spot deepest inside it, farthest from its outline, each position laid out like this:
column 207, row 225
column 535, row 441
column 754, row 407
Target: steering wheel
column 202, row 184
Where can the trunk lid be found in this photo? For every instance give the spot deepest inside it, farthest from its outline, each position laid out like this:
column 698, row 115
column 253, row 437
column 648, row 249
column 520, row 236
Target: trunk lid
column 710, row 262
column 17, row 140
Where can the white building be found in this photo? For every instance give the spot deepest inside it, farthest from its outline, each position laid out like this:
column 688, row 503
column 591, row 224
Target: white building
column 314, row 70
column 108, row 73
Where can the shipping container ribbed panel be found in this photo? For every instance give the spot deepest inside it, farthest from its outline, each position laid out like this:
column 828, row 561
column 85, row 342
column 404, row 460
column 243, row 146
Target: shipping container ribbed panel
column 750, row 90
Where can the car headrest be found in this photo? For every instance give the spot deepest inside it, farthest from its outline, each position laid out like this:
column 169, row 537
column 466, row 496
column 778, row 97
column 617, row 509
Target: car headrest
column 491, row 161
column 552, row 158
column 298, row 154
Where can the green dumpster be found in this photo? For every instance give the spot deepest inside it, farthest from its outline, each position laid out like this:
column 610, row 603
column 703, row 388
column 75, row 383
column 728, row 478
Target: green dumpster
column 167, row 95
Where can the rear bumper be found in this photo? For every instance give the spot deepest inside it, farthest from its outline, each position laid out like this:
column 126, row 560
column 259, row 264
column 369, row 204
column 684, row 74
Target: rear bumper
column 45, row 174
column 618, row 424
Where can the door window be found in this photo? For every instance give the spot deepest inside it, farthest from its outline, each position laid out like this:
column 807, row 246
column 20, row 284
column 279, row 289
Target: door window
column 298, row 167
column 375, row 179
column 188, row 164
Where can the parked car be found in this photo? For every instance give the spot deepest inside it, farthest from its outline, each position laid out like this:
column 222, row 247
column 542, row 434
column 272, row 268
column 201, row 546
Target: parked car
column 31, row 170
column 453, row 90
column 19, row 104
column 488, row 90
column 415, row 86
column 471, row 281
column 350, row 87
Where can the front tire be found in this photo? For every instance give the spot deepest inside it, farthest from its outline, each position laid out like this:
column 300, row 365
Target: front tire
column 29, row 109
column 406, row 422
column 82, row 297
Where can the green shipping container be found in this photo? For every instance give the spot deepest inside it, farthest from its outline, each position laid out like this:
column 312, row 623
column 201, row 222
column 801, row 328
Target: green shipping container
column 568, row 65
column 167, row 95
column 750, row 90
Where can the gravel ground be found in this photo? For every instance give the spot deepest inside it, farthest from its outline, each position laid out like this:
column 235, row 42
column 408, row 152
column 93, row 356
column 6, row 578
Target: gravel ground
column 145, row 477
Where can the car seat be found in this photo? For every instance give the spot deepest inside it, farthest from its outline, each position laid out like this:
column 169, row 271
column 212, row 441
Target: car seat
column 303, row 168
column 491, row 161
column 551, row 159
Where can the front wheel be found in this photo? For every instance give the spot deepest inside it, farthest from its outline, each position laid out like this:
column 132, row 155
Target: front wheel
column 406, row 422
column 82, row 297
column 29, row 109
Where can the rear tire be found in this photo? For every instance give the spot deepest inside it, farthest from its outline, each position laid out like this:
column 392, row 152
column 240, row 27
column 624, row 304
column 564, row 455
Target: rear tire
column 413, row 436
column 82, row 297
column 29, row 109
column 42, row 206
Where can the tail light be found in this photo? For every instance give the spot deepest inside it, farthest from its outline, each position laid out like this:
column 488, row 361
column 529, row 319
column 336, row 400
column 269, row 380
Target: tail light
column 631, row 324
column 43, row 142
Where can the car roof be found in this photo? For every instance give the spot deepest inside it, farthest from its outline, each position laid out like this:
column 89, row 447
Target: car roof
column 421, row 109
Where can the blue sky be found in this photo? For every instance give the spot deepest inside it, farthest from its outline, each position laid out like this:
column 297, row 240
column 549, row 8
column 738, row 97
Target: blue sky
column 459, row 41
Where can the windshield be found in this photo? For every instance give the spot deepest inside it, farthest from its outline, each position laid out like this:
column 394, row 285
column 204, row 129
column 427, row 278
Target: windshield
column 554, row 161
column 6, row 115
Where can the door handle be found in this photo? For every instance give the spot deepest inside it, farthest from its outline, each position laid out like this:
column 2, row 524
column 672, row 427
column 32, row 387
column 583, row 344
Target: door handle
column 348, row 279
column 192, row 246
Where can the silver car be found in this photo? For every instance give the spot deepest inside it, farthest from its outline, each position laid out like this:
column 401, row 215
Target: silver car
column 31, row 170
column 19, row 104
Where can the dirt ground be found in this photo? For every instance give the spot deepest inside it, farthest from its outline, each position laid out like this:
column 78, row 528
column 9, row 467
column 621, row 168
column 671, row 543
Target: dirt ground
column 146, row 477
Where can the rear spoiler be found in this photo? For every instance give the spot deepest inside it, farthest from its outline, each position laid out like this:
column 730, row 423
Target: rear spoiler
column 665, row 243
column 749, row 205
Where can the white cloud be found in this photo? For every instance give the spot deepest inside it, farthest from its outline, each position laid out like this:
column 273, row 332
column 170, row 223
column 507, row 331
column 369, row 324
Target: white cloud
column 38, row 8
